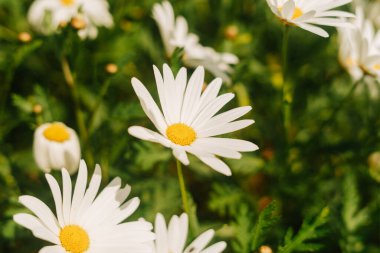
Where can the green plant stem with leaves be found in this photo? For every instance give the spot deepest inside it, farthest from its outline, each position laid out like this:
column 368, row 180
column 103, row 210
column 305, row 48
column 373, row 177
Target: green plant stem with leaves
column 182, row 188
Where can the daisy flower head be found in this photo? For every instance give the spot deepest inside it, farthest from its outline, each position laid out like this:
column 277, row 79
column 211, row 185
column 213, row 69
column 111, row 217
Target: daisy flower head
column 309, row 14
column 56, row 146
column 175, row 34
column 85, row 221
column 172, row 239
column 188, row 121
column 46, row 16
column 359, row 50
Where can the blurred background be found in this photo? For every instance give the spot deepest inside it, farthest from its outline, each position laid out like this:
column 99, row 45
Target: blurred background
column 330, row 163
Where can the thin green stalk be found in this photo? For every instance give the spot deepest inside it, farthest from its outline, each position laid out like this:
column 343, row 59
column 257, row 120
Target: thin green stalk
column 182, row 188
column 83, row 134
column 287, row 93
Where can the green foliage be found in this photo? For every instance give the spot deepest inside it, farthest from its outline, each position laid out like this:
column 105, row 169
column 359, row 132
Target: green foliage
column 315, row 167
column 250, row 234
column 311, row 229
column 354, row 218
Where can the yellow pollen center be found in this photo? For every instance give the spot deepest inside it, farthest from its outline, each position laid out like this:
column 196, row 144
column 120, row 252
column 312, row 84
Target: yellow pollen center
column 67, row 2
column 377, row 67
column 297, row 13
column 74, row 239
column 56, row 132
column 181, row 134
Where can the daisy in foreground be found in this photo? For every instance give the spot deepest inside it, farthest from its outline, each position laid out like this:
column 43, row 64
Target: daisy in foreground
column 85, row 222
column 173, row 238
column 188, row 121
column 46, row 16
column 311, row 13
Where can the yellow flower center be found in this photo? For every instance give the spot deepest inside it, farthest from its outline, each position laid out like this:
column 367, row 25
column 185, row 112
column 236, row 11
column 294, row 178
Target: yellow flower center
column 74, row 239
column 377, row 67
column 67, row 2
column 57, row 132
column 181, row 134
column 296, row 14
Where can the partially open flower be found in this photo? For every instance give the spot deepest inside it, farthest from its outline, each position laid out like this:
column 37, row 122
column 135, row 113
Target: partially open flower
column 56, row 146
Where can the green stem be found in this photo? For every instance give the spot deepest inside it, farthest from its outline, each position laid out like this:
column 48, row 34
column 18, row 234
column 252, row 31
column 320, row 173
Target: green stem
column 287, row 94
column 83, row 134
column 183, row 188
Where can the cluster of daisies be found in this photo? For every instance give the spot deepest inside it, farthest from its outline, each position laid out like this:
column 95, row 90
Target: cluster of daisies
column 87, row 221
column 187, row 120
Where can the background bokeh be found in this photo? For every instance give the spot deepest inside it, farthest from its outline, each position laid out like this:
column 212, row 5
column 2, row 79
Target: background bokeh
column 334, row 166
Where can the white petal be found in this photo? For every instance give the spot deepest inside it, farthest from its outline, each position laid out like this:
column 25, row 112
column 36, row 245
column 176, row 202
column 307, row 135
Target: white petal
column 313, row 29
column 210, row 110
column 42, row 211
column 192, row 96
column 57, row 195
column 67, row 188
column 181, row 155
column 215, row 248
column 149, row 106
column 79, row 191
column 200, row 242
column 52, row 249
column 216, row 164
column 225, row 128
column 161, row 234
column 148, row 135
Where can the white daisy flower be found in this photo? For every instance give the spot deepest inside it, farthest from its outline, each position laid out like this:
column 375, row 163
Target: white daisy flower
column 85, row 222
column 175, row 34
column 359, row 50
column 309, row 14
column 172, row 239
column 56, row 146
column 47, row 15
column 188, row 121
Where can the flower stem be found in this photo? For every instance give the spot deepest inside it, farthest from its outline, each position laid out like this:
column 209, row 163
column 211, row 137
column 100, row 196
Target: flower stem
column 83, row 134
column 182, row 188
column 287, row 93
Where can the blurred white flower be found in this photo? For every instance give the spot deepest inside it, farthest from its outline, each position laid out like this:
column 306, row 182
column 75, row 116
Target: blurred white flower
column 56, row 146
column 359, row 50
column 308, row 14
column 46, row 16
column 188, row 121
column 86, row 221
column 175, row 34
column 371, row 9
column 172, row 239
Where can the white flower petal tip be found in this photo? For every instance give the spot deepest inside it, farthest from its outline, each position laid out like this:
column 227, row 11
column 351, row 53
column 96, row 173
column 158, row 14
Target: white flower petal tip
column 188, row 118
column 87, row 214
column 85, row 16
column 175, row 34
column 172, row 238
column 309, row 15
column 56, row 146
